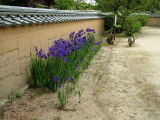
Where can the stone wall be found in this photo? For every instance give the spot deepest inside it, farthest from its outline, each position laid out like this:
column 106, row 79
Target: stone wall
column 153, row 21
column 17, row 45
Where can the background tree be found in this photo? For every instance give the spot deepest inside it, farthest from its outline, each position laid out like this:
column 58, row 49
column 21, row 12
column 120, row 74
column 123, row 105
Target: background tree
column 128, row 5
column 58, row 4
column 72, row 5
column 65, row 4
column 28, row 3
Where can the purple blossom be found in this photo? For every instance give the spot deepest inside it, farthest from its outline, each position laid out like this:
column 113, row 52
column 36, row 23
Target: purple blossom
column 59, row 85
column 90, row 30
column 81, row 31
column 40, row 53
column 79, row 34
column 71, row 35
column 97, row 43
column 69, row 78
column 62, row 48
column 57, row 79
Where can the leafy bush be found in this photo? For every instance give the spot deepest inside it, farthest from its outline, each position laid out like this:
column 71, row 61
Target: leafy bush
column 65, row 60
column 142, row 19
column 132, row 26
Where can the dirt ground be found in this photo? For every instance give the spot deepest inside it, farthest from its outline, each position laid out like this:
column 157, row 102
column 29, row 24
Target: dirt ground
column 122, row 83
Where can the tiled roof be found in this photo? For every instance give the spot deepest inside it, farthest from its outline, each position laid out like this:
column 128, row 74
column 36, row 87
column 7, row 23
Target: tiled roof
column 18, row 16
column 154, row 15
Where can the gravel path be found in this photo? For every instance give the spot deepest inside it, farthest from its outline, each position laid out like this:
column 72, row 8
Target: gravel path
column 130, row 88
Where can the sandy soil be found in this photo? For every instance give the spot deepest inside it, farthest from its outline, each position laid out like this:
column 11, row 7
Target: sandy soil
column 122, row 83
column 131, row 88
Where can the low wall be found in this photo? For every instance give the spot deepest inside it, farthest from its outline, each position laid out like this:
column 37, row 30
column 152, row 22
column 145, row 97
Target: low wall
column 17, row 45
column 154, row 20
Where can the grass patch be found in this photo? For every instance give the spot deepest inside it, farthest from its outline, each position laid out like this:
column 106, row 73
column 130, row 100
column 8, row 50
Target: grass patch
column 14, row 95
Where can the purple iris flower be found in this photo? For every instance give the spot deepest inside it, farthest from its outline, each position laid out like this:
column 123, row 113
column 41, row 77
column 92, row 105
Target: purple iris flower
column 79, row 34
column 90, row 30
column 69, row 78
column 41, row 54
column 81, row 31
column 71, row 35
column 62, row 48
column 59, row 85
column 97, row 43
column 57, row 79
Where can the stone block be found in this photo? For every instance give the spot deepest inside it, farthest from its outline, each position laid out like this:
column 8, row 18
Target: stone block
column 24, row 66
column 12, row 65
column 1, row 48
column 24, row 47
column 2, row 67
column 2, row 73
column 9, row 44
column 35, row 42
column 10, row 84
column 2, row 61
column 13, row 69
column 44, row 43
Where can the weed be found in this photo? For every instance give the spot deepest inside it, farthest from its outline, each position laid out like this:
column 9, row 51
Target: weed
column 57, row 118
column 14, row 95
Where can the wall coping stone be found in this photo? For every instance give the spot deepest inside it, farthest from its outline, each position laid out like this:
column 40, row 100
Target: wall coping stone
column 18, row 16
column 154, row 15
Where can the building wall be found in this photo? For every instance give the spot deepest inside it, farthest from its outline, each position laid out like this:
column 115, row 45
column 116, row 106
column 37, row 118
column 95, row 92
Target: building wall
column 154, row 21
column 17, row 45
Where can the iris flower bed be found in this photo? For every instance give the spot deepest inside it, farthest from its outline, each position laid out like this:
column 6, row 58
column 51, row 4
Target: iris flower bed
column 64, row 61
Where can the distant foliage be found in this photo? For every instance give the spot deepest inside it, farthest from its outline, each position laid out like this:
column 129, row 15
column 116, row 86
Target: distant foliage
column 72, row 5
column 128, row 6
column 58, row 4
column 65, row 5
column 109, row 22
column 28, row 3
column 142, row 19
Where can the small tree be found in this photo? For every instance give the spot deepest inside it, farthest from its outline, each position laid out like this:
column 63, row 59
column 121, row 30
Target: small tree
column 132, row 26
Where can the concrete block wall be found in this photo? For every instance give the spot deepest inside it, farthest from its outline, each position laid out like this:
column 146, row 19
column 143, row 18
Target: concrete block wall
column 17, row 45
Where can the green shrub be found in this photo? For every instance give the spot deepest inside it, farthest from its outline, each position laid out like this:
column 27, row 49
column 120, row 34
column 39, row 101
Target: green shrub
column 132, row 26
column 142, row 19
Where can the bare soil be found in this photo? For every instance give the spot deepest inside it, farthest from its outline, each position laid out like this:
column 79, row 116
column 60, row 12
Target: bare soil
column 122, row 83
